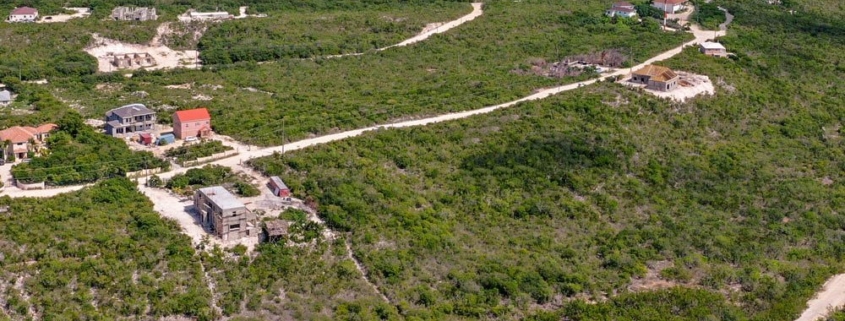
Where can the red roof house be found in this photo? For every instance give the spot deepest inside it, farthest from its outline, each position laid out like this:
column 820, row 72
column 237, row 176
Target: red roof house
column 192, row 122
column 23, row 14
column 20, row 136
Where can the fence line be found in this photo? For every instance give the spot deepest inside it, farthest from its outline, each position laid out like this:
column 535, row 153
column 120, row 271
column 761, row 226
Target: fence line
column 208, row 159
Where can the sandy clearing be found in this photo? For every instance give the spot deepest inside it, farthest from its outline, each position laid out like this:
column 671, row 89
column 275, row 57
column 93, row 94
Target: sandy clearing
column 831, row 298
column 165, row 57
column 80, row 13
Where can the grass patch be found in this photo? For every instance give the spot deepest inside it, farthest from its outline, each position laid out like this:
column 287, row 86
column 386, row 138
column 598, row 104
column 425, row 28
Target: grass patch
column 195, row 151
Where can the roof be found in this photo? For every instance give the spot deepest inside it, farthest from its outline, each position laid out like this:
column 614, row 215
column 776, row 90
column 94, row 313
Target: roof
column 657, row 73
column 278, row 182
column 192, row 115
column 670, row 1
column 221, row 197
column 712, row 45
column 24, row 11
column 5, row 96
column 277, row 227
column 22, row 134
column 130, row 110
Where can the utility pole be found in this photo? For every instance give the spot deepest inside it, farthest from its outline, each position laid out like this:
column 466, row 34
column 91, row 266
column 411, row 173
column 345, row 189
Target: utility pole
column 284, row 139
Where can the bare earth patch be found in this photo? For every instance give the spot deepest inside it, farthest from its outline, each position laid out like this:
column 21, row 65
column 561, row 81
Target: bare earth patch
column 105, row 50
column 80, row 13
column 690, row 85
column 652, row 281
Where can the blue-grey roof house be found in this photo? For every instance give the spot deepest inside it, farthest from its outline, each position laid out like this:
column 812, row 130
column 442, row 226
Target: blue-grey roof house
column 129, row 119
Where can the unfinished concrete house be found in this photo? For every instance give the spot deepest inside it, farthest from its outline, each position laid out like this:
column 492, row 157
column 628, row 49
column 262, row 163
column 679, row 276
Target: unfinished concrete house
column 656, row 78
column 223, row 214
column 132, row 60
column 134, row 14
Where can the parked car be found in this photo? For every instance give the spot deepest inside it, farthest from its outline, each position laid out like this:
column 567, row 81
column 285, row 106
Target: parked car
column 191, row 139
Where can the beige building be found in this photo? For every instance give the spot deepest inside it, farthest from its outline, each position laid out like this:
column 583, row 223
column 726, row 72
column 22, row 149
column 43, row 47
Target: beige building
column 656, row 78
column 134, row 14
column 223, row 214
column 714, row 49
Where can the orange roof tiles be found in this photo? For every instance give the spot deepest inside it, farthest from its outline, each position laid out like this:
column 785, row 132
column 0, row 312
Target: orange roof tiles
column 192, row 115
column 657, row 73
column 22, row 134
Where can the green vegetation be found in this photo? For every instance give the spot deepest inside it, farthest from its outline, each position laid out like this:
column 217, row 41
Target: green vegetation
column 194, row 151
column 707, row 15
column 211, row 175
column 78, row 154
column 307, row 34
column 97, row 254
column 474, row 65
column 578, row 195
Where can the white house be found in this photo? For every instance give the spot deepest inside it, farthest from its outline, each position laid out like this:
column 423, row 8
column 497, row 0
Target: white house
column 23, row 14
column 621, row 9
column 669, row 6
column 713, row 49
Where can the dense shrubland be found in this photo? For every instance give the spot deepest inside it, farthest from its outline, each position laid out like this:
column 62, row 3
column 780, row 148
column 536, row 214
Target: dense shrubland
column 79, row 154
column 211, row 175
column 468, row 67
column 304, row 35
column 577, row 195
column 100, row 253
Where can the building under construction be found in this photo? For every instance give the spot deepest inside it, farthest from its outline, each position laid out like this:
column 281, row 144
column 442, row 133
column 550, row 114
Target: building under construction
column 134, row 14
column 131, row 60
column 222, row 213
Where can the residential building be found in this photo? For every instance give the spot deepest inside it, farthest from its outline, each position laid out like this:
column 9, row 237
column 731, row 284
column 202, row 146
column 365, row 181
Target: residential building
column 5, row 97
column 656, row 78
column 134, row 13
column 21, row 140
column 223, row 214
column 713, row 49
column 278, row 187
column 193, row 122
column 669, row 6
column 133, row 118
column 622, row 9
column 23, row 14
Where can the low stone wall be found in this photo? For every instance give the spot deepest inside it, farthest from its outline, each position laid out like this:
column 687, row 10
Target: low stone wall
column 30, row 185
column 203, row 160
column 144, row 172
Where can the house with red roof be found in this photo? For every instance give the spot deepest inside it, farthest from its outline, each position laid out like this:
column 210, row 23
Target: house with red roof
column 23, row 14
column 20, row 140
column 622, row 9
column 192, row 123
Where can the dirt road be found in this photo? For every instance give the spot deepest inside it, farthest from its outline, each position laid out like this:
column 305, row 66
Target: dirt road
column 831, row 298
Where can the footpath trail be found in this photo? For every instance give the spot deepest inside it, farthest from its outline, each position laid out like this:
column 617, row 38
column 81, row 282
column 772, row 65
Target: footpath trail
column 477, row 11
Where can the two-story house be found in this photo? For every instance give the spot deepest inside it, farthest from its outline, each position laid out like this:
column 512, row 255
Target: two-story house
column 192, row 123
column 21, row 140
column 130, row 119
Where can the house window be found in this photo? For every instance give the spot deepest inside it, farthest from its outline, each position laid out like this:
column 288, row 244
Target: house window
column 234, row 227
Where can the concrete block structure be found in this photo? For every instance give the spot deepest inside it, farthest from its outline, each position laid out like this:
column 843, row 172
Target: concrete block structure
column 223, row 214
column 134, row 14
column 656, row 78
column 132, row 60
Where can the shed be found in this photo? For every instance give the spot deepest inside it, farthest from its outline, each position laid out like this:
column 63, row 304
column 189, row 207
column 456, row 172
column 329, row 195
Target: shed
column 276, row 229
column 145, row 139
column 278, row 187
column 5, row 97
column 166, row 139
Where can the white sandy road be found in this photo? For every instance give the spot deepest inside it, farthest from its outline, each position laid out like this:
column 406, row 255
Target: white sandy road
column 831, row 298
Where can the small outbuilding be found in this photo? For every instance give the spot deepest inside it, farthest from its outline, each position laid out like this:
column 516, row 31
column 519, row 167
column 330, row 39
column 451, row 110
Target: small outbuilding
column 714, row 49
column 276, row 230
column 145, row 139
column 278, row 187
column 166, row 139
column 622, row 9
column 669, row 6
